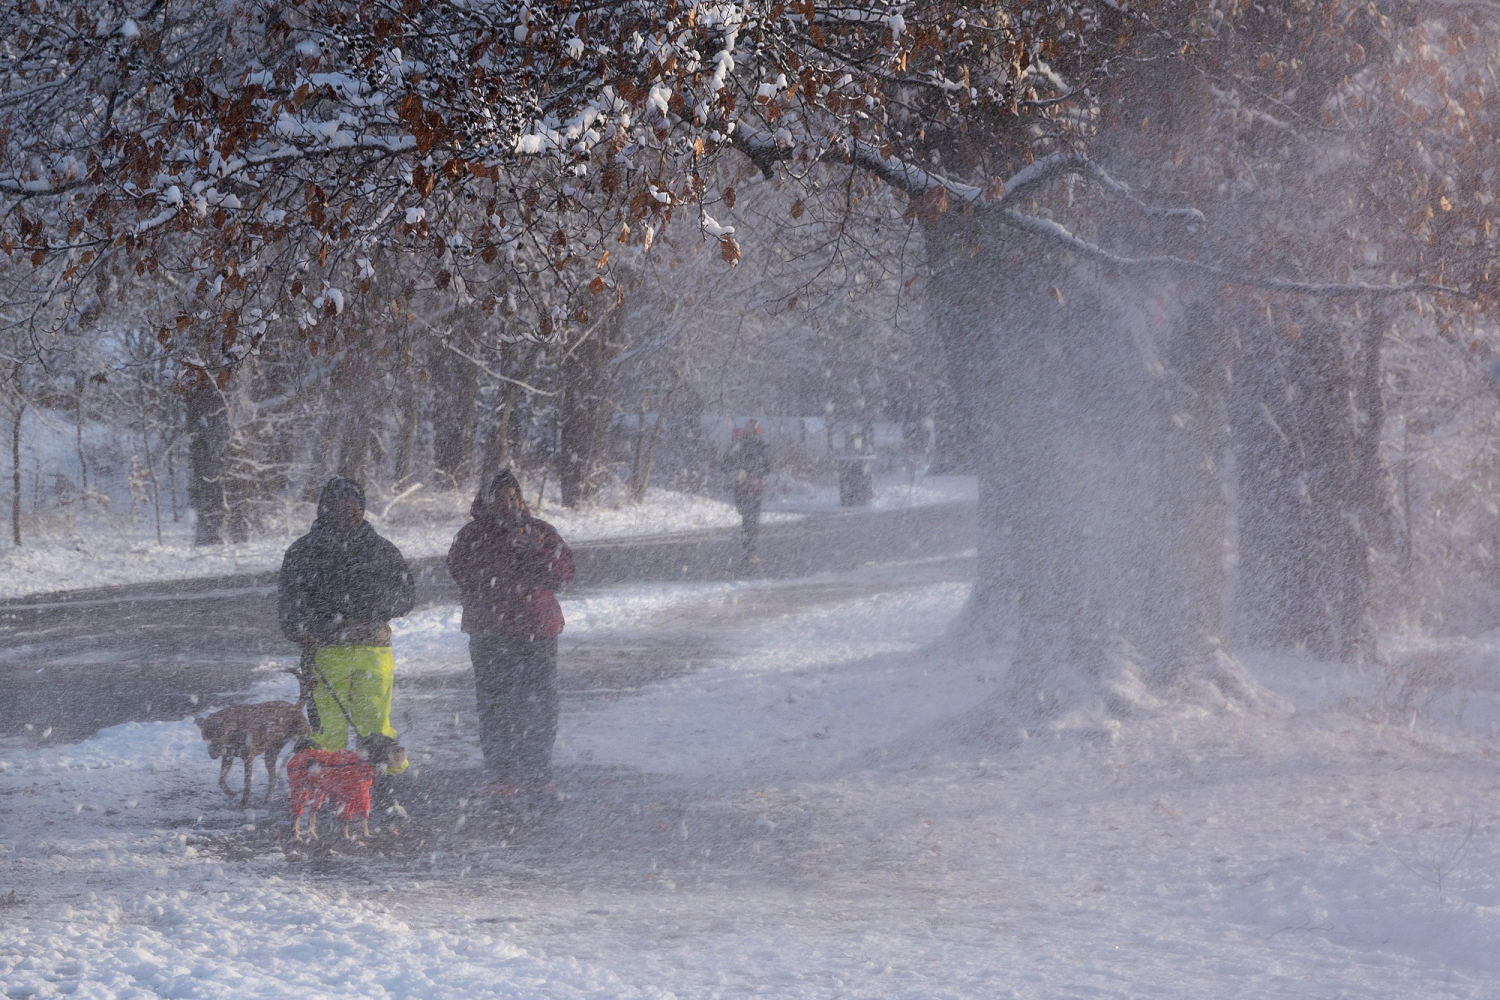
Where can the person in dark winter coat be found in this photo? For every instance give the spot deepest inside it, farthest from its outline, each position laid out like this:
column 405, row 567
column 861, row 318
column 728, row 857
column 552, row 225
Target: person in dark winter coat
column 507, row 565
column 339, row 587
column 748, row 464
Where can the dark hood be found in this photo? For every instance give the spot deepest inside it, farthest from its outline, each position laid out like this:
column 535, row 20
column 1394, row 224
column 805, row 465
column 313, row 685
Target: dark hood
column 337, row 489
column 481, row 505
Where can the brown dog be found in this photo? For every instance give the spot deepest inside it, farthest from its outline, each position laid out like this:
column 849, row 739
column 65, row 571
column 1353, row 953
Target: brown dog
column 249, row 731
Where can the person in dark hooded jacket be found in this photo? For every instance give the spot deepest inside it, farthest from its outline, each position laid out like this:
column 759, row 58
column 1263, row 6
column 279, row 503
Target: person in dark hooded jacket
column 748, row 463
column 507, row 564
column 339, row 587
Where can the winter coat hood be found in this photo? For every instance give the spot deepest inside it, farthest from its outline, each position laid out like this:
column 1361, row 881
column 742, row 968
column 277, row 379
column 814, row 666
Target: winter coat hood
column 481, row 506
column 339, row 489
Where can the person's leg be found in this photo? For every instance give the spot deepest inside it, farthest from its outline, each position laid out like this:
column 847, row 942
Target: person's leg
column 752, row 528
column 365, row 685
column 748, row 503
column 496, row 697
column 331, row 688
column 372, row 684
column 538, row 711
column 748, row 506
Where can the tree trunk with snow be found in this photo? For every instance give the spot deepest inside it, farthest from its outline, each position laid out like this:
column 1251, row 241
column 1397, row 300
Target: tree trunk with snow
column 208, row 435
column 1097, row 404
column 18, row 410
column 587, row 376
column 408, row 421
column 261, row 448
column 15, row 474
column 454, row 416
column 1309, row 484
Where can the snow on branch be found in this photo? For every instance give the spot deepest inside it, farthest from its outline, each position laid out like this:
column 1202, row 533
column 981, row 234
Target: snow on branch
column 916, row 182
column 1051, row 230
column 1073, row 163
column 492, row 373
column 903, row 176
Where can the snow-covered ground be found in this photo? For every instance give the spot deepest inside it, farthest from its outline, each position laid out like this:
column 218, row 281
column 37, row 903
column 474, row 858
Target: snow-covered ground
column 809, row 813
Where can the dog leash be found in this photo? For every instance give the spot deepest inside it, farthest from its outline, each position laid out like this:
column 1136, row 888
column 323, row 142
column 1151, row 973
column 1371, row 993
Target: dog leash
column 305, row 684
column 312, row 661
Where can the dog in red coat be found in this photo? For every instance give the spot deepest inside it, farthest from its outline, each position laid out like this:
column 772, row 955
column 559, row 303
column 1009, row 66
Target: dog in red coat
column 345, row 776
column 316, row 775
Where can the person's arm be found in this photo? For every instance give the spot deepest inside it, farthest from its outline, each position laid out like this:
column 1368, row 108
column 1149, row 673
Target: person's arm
column 291, row 599
column 762, row 462
column 401, row 586
column 466, row 560
column 544, row 559
column 457, row 559
column 559, row 560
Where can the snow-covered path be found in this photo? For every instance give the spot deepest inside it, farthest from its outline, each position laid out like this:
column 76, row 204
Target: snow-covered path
column 804, row 814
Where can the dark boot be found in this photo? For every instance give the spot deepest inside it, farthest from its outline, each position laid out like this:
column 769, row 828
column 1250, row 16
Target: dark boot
column 542, row 796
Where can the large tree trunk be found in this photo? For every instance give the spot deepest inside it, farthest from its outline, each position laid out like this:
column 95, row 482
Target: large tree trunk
column 1097, row 412
column 1309, row 482
column 80, row 416
column 454, row 398
column 504, row 422
column 647, row 432
column 586, row 376
column 408, row 422
column 500, row 439
column 18, row 410
column 357, row 410
column 258, row 454
column 208, row 435
column 1376, row 510
column 15, row 472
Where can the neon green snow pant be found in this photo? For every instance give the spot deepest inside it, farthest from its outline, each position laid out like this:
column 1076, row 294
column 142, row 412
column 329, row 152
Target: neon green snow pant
column 359, row 680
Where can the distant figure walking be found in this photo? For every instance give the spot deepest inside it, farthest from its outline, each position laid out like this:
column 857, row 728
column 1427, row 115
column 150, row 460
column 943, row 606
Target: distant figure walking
column 748, row 463
column 507, row 565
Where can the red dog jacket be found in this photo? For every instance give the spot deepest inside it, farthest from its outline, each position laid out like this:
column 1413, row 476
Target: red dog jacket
column 315, row 775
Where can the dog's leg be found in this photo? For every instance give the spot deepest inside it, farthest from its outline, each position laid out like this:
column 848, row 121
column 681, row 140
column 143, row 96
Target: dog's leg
column 300, row 804
column 224, row 765
column 271, row 756
column 245, row 795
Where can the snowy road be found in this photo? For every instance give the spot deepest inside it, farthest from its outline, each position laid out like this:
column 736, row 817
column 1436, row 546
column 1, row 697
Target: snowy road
column 74, row 663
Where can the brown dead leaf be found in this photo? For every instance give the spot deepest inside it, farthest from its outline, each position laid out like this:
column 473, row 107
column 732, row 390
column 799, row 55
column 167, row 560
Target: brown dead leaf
column 929, row 206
